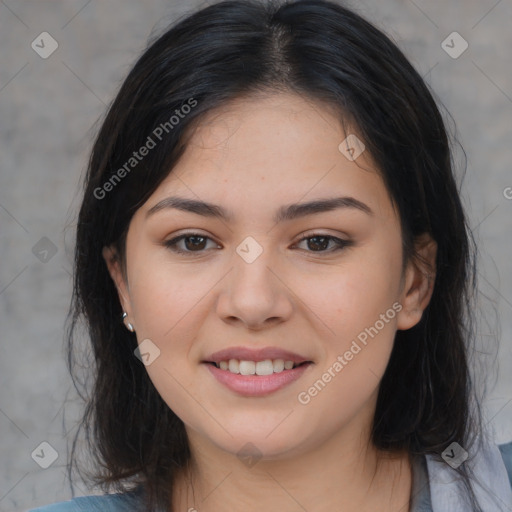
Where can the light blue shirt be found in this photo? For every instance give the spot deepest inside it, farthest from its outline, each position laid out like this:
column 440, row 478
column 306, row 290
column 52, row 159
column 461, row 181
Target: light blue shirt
column 107, row 503
column 428, row 494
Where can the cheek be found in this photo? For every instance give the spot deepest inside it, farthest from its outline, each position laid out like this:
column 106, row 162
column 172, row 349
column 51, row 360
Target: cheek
column 353, row 297
column 167, row 304
column 359, row 304
column 164, row 295
column 360, row 310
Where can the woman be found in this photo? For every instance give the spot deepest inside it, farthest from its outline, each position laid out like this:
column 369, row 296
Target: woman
column 276, row 274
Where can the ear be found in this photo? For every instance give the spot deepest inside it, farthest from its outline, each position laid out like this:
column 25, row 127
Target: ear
column 418, row 283
column 115, row 270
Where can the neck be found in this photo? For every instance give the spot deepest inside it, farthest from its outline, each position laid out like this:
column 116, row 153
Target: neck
column 346, row 473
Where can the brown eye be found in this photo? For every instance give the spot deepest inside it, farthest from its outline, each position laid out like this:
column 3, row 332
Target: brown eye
column 320, row 242
column 197, row 243
column 193, row 243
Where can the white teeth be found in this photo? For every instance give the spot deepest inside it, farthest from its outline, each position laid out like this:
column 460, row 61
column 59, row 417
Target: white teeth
column 233, row 366
column 279, row 365
column 264, row 367
column 267, row 367
column 247, row 367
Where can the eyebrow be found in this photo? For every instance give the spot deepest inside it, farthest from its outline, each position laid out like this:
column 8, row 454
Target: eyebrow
column 284, row 213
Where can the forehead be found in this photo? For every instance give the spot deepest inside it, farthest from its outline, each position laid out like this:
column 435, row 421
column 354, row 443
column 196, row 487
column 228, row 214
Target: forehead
column 273, row 149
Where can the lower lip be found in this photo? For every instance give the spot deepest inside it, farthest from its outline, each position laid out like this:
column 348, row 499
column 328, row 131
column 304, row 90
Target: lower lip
column 257, row 385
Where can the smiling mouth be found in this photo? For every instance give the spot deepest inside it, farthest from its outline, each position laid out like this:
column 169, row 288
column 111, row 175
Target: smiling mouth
column 266, row 367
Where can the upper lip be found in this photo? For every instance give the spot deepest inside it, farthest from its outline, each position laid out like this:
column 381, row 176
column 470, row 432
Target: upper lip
column 252, row 354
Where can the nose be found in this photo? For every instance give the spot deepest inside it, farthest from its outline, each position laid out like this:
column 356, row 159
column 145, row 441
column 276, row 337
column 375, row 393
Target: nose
column 255, row 294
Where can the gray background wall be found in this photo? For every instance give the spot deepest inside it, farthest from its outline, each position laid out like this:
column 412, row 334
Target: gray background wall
column 47, row 109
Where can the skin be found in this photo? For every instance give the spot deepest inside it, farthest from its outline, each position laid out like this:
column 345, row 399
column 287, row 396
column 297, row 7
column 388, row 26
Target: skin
column 253, row 156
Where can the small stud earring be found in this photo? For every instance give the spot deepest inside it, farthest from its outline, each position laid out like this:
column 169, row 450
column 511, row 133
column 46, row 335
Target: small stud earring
column 128, row 325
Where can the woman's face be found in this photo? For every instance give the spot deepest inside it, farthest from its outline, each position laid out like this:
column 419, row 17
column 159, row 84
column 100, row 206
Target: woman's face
column 247, row 280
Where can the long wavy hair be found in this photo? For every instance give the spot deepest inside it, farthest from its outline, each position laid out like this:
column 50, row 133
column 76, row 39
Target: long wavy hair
column 325, row 52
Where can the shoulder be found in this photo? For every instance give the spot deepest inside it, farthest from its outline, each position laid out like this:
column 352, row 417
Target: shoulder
column 506, row 454
column 491, row 469
column 106, row 503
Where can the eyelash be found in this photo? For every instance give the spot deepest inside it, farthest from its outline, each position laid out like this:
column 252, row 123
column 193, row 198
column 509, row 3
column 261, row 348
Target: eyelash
column 172, row 244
